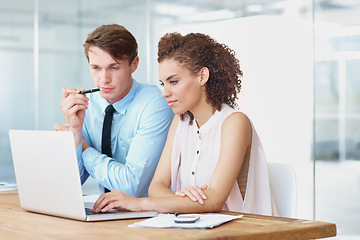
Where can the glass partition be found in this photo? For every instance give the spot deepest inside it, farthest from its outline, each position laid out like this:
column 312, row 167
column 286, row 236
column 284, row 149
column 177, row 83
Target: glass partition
column 63, row 28
column 17, row 76
column 33, row 89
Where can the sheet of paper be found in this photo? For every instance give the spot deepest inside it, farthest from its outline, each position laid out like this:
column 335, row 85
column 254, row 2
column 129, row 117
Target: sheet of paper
column 4, row 186
column 205, row 221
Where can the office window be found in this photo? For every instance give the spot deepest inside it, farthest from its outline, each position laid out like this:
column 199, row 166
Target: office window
column 17, row 76
column 337, row 93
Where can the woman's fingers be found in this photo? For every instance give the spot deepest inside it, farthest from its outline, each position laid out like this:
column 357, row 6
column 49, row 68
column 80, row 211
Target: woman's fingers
column 114, row 200
column 195, row 193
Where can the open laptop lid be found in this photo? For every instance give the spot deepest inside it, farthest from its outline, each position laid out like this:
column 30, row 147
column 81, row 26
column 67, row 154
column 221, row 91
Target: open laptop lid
column 47, row 173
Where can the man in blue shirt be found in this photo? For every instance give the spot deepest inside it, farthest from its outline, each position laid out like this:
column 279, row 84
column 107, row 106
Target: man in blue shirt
column 140, row 121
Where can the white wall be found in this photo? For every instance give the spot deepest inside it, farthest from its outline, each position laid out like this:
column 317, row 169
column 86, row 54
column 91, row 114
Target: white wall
column 275, row 55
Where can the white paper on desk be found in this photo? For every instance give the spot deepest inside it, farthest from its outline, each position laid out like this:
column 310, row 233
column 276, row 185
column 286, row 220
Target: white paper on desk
column 167, row 221
column 4, row 186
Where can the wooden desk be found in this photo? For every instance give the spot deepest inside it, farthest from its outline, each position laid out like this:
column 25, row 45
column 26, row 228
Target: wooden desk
column 16, row 223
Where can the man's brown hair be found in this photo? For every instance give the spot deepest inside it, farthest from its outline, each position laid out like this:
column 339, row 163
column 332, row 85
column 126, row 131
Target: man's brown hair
column 113, row 39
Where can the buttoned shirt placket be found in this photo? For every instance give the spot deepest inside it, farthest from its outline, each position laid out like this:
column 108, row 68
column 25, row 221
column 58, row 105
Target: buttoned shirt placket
column 196, row 159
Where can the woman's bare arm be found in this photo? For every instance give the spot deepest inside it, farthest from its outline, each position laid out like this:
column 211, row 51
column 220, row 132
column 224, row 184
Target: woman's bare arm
column 232, row 152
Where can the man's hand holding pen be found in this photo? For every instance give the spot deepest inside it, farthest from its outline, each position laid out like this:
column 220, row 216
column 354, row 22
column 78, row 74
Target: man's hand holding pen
column 73, row 105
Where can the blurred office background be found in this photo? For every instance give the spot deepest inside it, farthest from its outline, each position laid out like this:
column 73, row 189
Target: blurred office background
column 301, row 86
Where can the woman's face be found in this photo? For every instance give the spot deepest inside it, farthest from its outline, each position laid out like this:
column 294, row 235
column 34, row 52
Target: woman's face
column 182, row 89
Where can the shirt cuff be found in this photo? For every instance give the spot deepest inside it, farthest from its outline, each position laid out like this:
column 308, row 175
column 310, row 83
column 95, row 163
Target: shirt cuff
column 89, row 155
column 78, row 150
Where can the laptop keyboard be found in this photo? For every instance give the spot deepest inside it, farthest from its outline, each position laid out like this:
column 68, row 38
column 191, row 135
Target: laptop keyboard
column 89, row 212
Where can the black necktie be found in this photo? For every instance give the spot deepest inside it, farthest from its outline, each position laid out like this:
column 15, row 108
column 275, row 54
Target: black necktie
column 106, row 133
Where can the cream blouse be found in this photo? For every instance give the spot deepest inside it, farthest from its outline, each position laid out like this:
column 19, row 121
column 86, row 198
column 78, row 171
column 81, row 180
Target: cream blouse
column 194, row 157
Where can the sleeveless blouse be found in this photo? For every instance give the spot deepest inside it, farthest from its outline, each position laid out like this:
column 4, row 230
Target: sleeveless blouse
column 194, row 157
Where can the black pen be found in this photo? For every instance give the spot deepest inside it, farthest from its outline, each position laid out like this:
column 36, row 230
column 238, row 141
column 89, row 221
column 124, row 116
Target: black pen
column 90, row 91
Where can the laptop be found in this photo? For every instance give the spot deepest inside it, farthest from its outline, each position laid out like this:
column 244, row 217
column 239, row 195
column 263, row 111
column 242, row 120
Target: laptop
column 48, row 178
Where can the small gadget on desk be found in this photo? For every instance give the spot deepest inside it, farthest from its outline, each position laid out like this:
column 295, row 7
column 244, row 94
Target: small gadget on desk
column 186, row 218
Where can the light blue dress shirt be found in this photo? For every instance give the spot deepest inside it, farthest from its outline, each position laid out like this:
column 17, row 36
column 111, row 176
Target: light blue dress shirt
column 139, row 129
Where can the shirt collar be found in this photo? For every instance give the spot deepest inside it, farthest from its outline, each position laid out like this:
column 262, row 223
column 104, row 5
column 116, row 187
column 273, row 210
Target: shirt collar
column 209, row 123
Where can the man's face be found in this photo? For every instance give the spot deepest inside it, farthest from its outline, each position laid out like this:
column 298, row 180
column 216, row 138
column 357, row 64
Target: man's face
column 114, row 77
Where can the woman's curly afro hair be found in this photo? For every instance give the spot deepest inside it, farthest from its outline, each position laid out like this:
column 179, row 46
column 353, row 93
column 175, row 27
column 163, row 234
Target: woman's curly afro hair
column 195, row 51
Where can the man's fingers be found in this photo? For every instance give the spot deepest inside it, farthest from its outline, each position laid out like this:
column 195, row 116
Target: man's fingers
column 74, row 100
column 61, row 127
column 67, row 91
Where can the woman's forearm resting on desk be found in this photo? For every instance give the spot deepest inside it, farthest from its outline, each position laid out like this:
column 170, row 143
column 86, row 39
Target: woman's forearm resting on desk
column 195, row 193
column 169, row 203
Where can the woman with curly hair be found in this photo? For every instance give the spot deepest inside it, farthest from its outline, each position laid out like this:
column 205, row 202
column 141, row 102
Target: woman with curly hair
column 213, row 159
